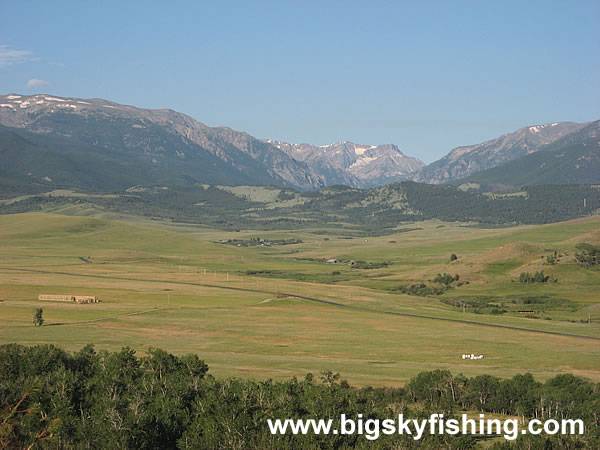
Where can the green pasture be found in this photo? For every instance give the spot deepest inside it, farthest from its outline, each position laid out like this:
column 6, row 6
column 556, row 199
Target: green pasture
column 169, row 285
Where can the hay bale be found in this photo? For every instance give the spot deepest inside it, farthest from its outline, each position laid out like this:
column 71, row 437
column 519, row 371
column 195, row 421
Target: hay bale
column 56, row 298
column 69, row 298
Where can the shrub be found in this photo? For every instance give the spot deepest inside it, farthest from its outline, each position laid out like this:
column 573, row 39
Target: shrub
column 38, row 319
column 588, row 255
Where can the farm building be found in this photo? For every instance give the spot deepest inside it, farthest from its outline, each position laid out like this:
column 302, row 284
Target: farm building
column 69, row 298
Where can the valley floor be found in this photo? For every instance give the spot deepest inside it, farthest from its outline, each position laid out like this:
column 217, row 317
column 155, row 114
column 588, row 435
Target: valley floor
column 240, row 306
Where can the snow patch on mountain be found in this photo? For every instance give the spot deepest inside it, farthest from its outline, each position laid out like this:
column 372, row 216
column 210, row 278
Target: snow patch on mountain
column 363, row 161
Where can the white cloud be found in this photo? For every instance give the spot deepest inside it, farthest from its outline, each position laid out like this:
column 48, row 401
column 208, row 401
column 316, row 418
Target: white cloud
column 34, row 83
column 9, row 56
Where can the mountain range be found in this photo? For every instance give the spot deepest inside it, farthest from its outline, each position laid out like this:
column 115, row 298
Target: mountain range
column 354, row 164
column 98, row 144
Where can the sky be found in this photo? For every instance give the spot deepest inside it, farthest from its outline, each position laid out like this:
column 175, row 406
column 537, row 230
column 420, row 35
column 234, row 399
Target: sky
column 425, row 75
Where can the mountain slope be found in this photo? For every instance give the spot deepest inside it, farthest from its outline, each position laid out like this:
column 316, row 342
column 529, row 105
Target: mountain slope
column 464, row 161
column 572, row 159
column 26, row 163
column 162, row 138
column 52, row 160
column 354, row 164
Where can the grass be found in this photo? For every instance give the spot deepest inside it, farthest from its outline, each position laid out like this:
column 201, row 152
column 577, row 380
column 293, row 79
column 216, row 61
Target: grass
column 165, row 285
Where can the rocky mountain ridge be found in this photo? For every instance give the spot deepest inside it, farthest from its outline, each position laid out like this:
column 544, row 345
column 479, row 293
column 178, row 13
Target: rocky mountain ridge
column 467, row 160
column 157, row 137
column 571, row 159
column 353, row 164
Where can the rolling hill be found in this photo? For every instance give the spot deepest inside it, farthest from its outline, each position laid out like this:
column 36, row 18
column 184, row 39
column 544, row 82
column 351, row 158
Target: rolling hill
column 356, row 211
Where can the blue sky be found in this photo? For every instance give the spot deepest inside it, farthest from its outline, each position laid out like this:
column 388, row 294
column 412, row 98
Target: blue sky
column 428, row 76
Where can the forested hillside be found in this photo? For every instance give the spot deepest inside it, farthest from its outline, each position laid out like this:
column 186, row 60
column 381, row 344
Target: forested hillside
column 375, row 210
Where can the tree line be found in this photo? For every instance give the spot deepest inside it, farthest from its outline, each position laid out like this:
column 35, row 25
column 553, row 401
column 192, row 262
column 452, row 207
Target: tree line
column 101, row 399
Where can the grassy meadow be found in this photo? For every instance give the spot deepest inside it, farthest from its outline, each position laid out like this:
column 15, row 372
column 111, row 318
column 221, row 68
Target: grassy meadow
column 174, row 286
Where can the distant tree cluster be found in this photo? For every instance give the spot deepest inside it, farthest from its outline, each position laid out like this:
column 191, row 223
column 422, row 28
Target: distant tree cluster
column 369, row 265
column 445, row 278
column 257, row 241
column 538, row 277
column 421, row 289
column 489, row 304
column 116, row 399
